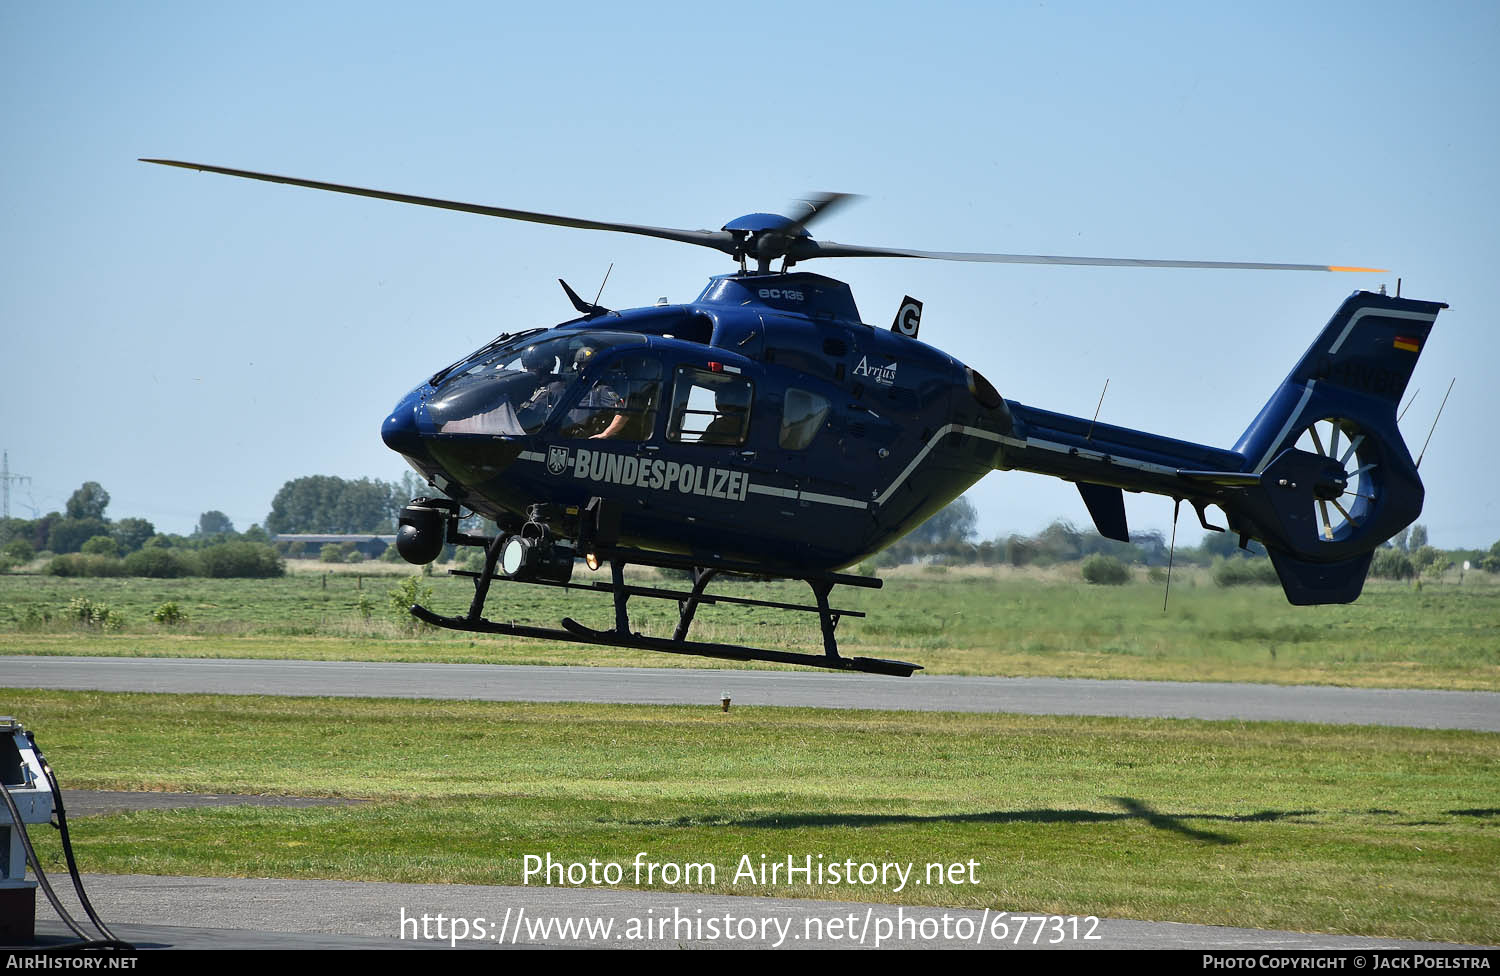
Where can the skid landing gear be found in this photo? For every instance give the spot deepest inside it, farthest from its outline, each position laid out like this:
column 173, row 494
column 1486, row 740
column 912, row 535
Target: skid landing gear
column 620, row 635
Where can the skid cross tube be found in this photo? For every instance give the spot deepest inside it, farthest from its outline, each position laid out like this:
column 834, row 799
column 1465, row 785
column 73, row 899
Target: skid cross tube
column 620, row 635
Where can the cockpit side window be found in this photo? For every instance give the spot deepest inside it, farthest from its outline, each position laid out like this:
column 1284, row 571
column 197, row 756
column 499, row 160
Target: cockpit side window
column 709, row 408
column 621, row 402
column 515, row 388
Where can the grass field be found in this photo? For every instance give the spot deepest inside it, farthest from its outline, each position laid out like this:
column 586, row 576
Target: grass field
column 1303, row 827
column 1442, row 635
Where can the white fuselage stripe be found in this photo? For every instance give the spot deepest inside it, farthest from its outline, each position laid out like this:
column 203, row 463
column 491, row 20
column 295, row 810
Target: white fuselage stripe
column 772, row 490
column 1286, row 428
column 916, row 462
column 942, row 432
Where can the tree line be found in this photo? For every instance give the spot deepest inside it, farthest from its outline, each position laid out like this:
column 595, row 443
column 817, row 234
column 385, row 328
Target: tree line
column 951, row 537
column 82, row 540
column 326, row 504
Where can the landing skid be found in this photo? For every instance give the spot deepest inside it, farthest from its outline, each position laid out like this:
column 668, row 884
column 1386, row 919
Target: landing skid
column 687, row 604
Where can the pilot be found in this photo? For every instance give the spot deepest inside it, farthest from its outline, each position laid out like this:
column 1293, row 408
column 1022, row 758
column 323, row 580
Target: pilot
column 538, row 361
column 600, row 406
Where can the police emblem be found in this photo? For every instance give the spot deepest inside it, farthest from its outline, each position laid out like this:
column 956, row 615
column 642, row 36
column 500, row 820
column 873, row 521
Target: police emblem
column 557, row 460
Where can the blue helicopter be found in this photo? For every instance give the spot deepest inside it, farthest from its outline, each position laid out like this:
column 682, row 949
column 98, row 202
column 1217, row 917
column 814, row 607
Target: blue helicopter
column 763, row 429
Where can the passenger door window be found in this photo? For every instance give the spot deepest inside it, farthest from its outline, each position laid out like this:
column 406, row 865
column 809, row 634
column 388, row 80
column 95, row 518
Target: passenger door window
column 802, row 417
column 709, row 408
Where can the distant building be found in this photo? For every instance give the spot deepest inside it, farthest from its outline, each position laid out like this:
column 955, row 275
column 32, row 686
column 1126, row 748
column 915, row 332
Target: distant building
column 371, row 546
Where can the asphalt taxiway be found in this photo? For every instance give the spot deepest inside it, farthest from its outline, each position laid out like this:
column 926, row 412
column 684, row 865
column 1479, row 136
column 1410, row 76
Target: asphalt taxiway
column 1472, row 710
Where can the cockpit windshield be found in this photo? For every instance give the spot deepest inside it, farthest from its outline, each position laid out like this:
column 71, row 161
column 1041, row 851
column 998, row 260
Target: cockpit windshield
column 515, row 389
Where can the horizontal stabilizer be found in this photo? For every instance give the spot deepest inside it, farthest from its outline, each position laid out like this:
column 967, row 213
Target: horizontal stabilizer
column 1107, row 507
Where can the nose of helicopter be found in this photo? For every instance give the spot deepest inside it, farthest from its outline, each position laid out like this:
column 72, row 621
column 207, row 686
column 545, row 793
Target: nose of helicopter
column 400, row 431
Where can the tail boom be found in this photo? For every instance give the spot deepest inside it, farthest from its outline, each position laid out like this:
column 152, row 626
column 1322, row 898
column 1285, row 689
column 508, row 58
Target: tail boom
column 1321, row 476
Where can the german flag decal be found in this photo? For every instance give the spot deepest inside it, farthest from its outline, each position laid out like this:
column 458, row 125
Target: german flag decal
column 1408, row 344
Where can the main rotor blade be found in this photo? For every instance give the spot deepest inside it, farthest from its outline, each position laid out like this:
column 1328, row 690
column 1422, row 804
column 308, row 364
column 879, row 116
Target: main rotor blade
column 805, row 250
column 818, row 207
column 800, row 249
column 716, row 239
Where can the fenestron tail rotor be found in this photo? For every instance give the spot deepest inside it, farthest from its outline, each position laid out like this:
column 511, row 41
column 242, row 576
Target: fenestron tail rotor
column 764, row 237
column 1342, row 510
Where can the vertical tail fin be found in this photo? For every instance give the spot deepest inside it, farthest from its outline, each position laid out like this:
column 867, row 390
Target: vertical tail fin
column 1336, row 477
column 1361, row 362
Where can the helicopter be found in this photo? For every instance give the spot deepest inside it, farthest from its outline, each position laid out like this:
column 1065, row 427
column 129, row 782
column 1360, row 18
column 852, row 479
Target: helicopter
column 764, row 430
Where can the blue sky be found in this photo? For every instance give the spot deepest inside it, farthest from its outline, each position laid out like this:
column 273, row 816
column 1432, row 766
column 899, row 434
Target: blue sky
column 192, row 341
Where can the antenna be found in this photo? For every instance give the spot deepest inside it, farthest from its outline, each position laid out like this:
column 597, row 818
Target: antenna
column 1435, row 420
column 604, row 282
column 6, row 477
column 1172, row 551
column 1408, row 405
column 1096, row 409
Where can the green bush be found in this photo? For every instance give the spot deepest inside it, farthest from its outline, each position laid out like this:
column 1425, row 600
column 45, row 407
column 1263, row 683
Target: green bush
column 168, row 613
column 1104, row 570
column 100, row 545
column 1437, row 568
column 1423, row 557
column 91, row 614
column 1392, row 564
column 161, row 563
column 19, row 550
column 1244, row 572
column 35, row 618
column 401, row 596
column 254, row 560
column 79, row 564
